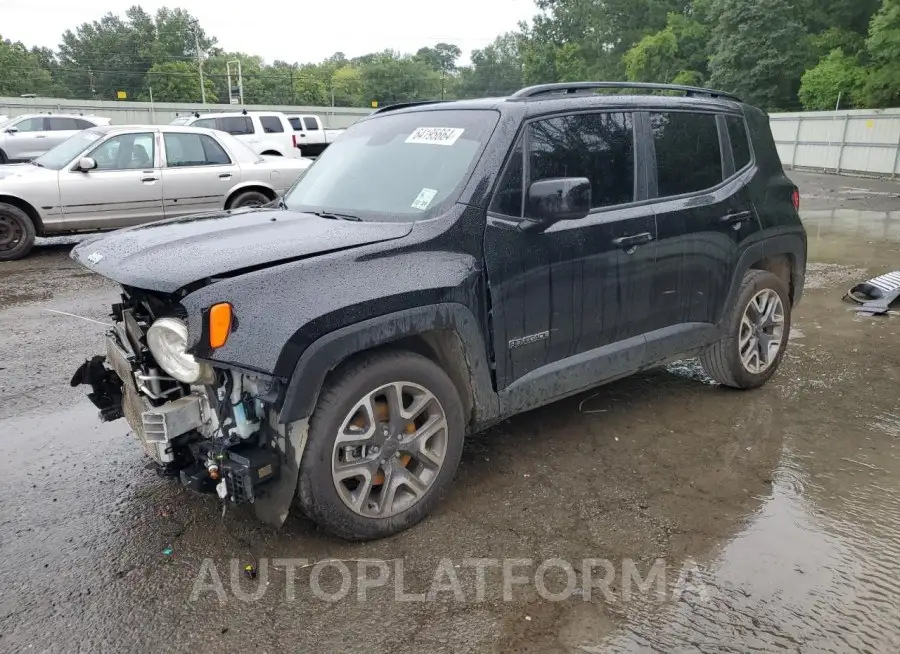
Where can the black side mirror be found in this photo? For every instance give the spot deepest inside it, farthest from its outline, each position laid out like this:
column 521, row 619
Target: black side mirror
column 559, row 198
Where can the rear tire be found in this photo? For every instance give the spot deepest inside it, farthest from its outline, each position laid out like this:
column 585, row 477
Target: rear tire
column 3, row 158
column 407, row 465
column 249, row 199
column 748, row 355
column 16, row 233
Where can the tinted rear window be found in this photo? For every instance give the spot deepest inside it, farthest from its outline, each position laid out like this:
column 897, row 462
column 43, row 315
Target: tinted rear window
column 295, row 123
column 688, row 158
column 740, row 146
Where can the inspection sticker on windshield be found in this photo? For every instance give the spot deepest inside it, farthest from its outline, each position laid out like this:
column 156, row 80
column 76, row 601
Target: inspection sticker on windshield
column 424, row 198
column 435, row 135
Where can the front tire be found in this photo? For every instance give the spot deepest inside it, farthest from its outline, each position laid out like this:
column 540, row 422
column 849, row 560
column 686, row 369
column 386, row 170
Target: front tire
column 385, row 440
column 757, row 331
column 249, row 199
column 16, row 233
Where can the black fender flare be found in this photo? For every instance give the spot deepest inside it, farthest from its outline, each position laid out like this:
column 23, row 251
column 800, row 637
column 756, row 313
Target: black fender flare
column 327, row 352
column 792, row 244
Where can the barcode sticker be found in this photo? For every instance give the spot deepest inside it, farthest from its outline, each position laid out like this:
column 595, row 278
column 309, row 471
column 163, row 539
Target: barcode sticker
column 435, row 135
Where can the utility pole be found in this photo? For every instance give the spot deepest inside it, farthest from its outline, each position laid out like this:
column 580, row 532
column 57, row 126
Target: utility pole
column 199, row 64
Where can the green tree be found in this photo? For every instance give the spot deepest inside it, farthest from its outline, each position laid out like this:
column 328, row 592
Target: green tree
column 21, row 71
column 346, row 82
column 882, row 86
column 101, row 57
column 836, row 76
column 177, row 81
column 390, row 77
column 496, row 70
column 442, row 57
column 759, row 52
column 677, row 52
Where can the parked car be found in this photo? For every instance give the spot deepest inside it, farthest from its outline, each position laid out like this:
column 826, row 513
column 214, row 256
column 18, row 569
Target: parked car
column 265, row 132
column 312, row 137
column 462, row 286
column 111, row 177
column 27, row 136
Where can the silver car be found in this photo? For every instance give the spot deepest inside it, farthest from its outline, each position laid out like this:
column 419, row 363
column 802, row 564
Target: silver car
column 111, row 177
column 25, row 137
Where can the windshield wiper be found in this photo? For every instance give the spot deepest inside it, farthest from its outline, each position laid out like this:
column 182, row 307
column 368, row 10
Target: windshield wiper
column 336, row 216
column 35, row 163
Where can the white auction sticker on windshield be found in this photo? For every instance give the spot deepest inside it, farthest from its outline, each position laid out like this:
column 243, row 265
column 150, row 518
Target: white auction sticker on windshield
column 435, row 135
column 424, row 198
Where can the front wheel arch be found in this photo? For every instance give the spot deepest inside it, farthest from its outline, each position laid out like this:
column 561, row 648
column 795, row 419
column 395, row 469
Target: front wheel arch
column 446, row 333
column 269, row 193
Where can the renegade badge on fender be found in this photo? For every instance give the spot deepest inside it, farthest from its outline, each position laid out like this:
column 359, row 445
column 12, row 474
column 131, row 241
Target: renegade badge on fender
column 443, row 266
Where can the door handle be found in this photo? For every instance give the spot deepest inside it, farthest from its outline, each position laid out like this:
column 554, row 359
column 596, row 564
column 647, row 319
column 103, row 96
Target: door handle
column 224, row 175
column 149, row 178
column 734, row 218
column 630, row 242
column 40, row 137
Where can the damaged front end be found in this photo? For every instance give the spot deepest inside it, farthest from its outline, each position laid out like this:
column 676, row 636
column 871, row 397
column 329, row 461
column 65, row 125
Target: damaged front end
column 213, row 428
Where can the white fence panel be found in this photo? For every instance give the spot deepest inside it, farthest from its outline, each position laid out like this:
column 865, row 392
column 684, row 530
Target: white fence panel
column 864, row 141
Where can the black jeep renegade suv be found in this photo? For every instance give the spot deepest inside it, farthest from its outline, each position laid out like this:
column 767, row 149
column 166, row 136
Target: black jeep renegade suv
column 443, row 266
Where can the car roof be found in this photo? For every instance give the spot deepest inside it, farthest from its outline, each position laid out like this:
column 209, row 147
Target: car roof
column 124, row 129
column 229, row 114
column 57, row 114
column 553, row 103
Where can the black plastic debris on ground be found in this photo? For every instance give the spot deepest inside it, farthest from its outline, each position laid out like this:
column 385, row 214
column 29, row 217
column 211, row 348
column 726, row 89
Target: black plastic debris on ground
column 876, row 295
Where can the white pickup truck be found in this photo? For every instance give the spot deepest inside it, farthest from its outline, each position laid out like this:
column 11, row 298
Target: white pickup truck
column 265, row 132
column 312, row 137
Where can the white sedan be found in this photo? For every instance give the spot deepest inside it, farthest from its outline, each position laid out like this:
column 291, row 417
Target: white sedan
column 111, row 177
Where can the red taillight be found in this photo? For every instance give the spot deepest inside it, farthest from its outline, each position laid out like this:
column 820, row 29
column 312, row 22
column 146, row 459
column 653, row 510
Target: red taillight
column 294, row 139
column 795, row 198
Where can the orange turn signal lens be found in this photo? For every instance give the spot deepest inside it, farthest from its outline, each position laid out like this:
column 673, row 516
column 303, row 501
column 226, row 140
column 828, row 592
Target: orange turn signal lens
column 219, row 324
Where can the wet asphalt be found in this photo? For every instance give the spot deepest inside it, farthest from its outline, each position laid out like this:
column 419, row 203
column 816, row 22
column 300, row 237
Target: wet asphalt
column 773, row 517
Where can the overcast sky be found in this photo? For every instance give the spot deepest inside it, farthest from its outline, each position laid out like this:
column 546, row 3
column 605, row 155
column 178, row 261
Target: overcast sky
column 270, row 27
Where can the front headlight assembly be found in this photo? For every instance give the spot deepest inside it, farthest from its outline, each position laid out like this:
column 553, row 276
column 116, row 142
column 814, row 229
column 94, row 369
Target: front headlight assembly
column 167, row 339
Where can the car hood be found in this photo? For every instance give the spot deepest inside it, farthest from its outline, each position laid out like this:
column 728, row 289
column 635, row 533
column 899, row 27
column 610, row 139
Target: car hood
column 13, row 173
column 170, row 254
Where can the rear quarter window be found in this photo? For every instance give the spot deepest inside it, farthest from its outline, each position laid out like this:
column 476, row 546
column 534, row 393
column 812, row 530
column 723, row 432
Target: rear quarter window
column 740, row 145
column 271, row 124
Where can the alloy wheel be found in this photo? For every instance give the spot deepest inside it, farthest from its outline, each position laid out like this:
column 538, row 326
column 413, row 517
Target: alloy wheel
column 761, row 331
column 389, row 450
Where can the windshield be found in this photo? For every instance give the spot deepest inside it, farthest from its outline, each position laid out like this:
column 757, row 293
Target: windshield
column 398, row 167
column 181, row 120
column 64, row 153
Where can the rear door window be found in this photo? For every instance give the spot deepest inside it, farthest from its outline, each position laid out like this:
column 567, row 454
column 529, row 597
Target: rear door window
column 688, row 157
column 740, row 145
column 311, row 123
column 271, row 124
column 62, row 125
column 193, row 150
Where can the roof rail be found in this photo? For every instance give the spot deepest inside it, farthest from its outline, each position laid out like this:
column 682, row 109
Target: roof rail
column 404, row 105
column 569, row 88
